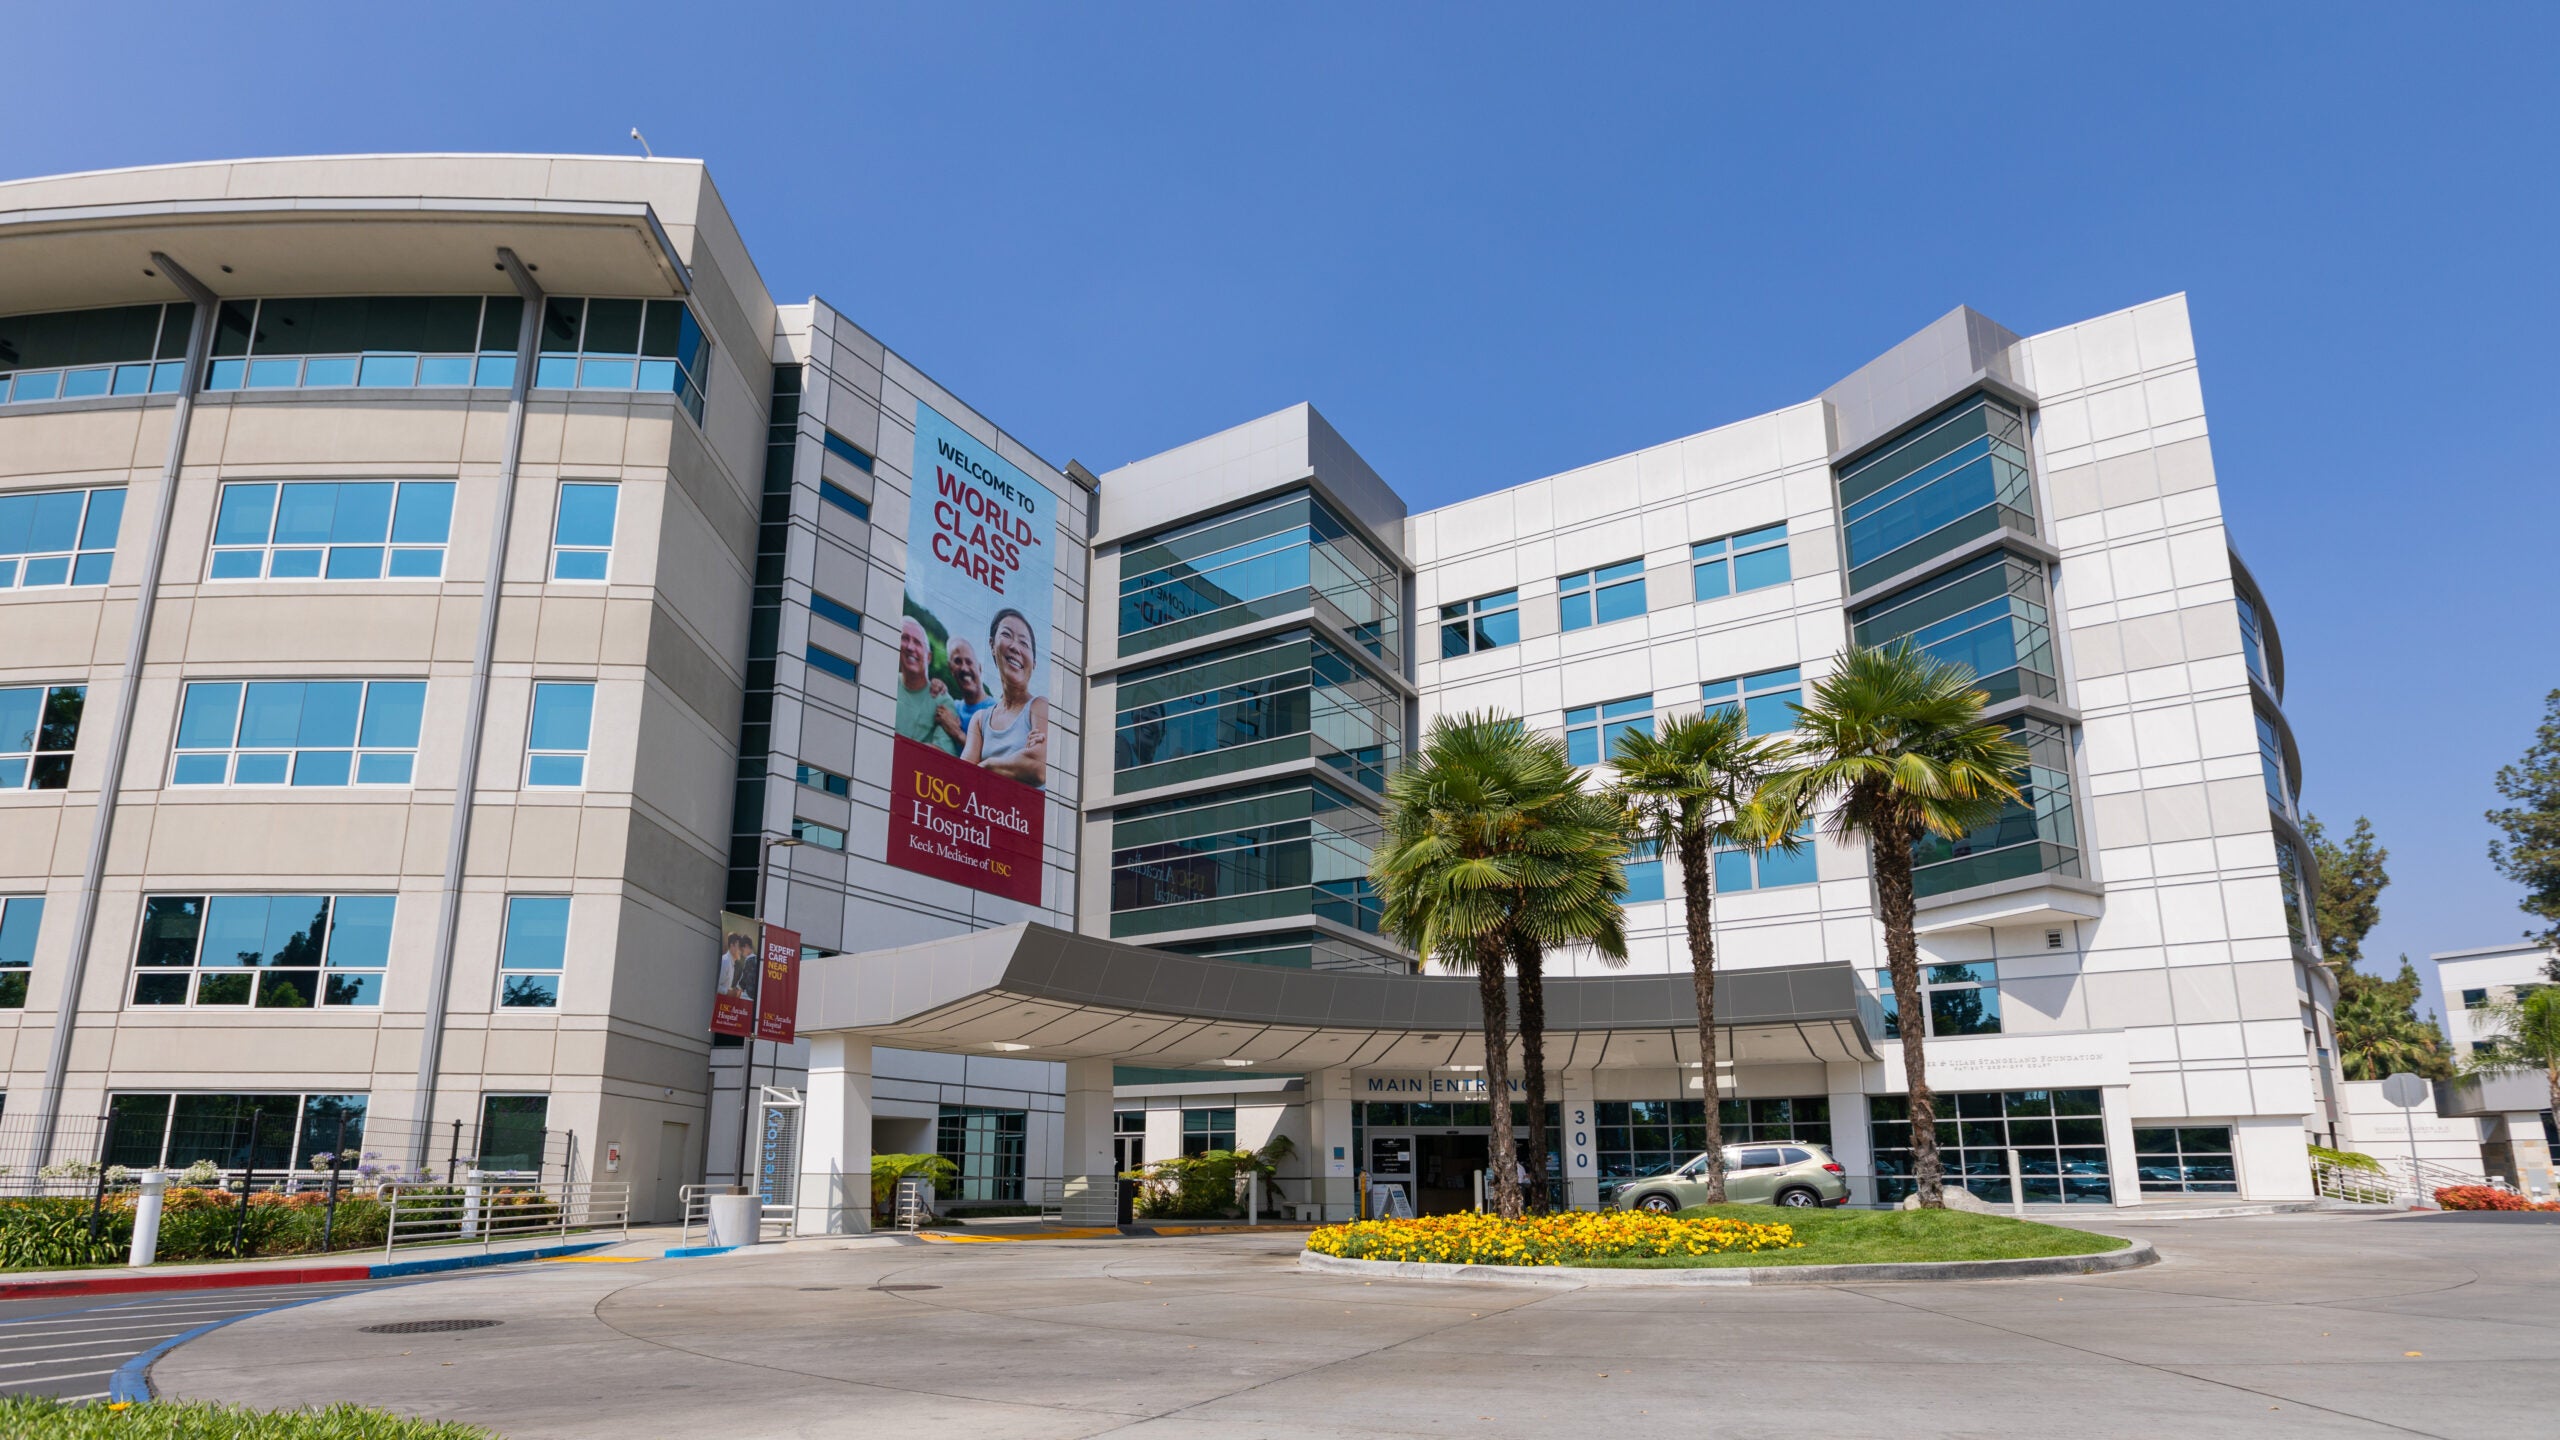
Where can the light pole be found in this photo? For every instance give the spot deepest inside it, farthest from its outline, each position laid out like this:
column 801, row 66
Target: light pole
column 747, row 1057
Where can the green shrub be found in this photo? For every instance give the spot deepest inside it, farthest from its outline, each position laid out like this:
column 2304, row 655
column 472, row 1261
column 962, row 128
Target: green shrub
column 1191, row 1187
column 2345, row 1159
column 36, row 1417
column 888, row 1170
column 195, row 1225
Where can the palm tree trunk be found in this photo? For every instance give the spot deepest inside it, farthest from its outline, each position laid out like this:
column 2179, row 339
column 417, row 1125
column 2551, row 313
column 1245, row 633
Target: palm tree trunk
column 1504, row 1186
column 1697, row 878
column 1891, row 849
column 1529, row 961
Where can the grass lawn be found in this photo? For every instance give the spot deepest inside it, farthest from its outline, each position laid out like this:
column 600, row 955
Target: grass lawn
column 29, row 1417
column 1874, row 1237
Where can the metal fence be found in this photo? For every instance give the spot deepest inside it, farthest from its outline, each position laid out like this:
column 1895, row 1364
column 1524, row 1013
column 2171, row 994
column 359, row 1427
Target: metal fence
column 270, row 1150
column 487, row 1208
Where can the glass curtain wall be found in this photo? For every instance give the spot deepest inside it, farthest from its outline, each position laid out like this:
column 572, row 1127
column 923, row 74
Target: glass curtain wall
column 1287, row 698
column 73, row 354
column 1991, row 615
column 1274, row 851
column 2060, row 1137
column 2037, row 833
column 1956, row 476
column 1281, row 556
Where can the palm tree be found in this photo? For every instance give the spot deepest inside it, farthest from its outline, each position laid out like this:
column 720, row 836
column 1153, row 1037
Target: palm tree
column 1689, row 790
column 1894, row 743
column 1482, row 816
column 2378, row 1036
column 2528, row 1041
column 1572, row 887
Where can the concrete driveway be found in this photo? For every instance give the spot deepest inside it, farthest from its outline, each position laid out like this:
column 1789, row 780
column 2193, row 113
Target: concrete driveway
column 2280, row 1325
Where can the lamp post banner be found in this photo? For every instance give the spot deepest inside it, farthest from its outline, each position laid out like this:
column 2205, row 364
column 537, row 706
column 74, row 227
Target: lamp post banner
column 972, row 755
column 734, row 986
column 778, row 998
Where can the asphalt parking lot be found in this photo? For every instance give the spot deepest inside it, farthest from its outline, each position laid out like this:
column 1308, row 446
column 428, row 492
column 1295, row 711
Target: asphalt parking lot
column 2280, row 1325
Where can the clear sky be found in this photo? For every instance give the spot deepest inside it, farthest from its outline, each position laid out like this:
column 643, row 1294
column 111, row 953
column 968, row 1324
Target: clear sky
column 1491, row 243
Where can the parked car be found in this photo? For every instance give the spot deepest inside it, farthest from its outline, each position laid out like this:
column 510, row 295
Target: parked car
column 1792, row 1174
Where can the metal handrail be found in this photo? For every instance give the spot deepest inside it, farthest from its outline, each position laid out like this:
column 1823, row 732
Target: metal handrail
column 488, row 1207
column 696, row 1203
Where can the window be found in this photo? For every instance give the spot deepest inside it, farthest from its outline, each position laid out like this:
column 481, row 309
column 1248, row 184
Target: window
column 2253, row 642
column 1291, row 696
column 582, row 533
column 1752, row 560
column 333, row 530
column 299, row 732
column 1259, row 563
column 72, row 354
column 39, row 726
column 2475, row 999
column 1278, row 850
column 512, row 1133
column 822, row 658
column 2037, row 833
column 1963, row 999
column 20, row 919
column 1591, row 732
column 2297, row 925
column 1128, row 1139
column 374, row 341
column 1767, row 700
column 2186, row 1160
column 826, row 607
column 1743, row 868
column 1643, row 867
column 2271, row 765
column 58, row 537
column 536, row 951
column 2060, row 1137
column 827, row 780
column 987, row 1147
column 1206, row 1130
column 2484, row 1047
column 274, row 952
column 1957, row 476
column 1647, row 1137
column 825, row 837
column 556, row 746
column 843, row 499
column 653, row 345
column 235, row 1132
column 1596, row 597
column 1487, row 622
column 853, row 454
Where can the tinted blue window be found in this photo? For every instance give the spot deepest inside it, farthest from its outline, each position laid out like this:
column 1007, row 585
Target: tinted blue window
column 248, row 513
column 562, row 716
column 391, row 714
column 1777, row 867
column 425, row 515
column 1733, row 870
column 537, row 932
column 827, row 607
column 19, row 921
column 360, row 931
column 586, row 515
column 844, row 499
column 838, row 445
column 1644, row 881
column 834, row 664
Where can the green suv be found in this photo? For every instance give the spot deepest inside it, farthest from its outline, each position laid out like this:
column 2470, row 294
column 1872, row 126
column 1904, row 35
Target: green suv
column 1791, row 1173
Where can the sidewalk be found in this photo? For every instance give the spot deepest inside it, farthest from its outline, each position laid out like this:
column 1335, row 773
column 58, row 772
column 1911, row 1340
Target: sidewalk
column 643, row 1243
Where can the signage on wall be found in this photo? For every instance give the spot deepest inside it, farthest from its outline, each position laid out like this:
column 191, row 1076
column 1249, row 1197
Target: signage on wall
column 756, row 991
column 1431, row 1087
column 972, row 749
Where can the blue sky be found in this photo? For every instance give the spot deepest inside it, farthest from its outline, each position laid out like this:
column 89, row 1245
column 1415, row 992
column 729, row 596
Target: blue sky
column 1495, row 242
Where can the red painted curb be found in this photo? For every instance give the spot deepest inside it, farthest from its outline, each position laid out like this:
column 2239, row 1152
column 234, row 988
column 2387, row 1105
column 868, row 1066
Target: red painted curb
column 217, row 1280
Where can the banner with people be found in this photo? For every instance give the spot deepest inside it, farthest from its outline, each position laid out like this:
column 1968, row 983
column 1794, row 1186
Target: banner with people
column 973, row 669
column 755, row 991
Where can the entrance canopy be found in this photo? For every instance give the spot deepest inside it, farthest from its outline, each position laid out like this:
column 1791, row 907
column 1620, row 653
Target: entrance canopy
column 1043, row 994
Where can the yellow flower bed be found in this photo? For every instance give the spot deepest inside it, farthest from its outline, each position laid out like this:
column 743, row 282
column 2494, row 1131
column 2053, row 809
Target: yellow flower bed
column 1476, row 1238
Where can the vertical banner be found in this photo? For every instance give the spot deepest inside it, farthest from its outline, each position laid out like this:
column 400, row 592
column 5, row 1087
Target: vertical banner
column 973, row 681
column 778, row 997
column 741, row 969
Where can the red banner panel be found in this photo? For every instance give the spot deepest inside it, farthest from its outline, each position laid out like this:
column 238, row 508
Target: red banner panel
column 778, row 999
column 958, row 822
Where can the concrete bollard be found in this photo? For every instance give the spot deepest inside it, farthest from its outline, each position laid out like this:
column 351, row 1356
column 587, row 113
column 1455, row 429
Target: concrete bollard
column 146, row 1219
column 736, row 1219
column 471, row 1204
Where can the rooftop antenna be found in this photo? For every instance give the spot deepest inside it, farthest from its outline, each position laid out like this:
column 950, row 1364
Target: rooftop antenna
column 644, row 143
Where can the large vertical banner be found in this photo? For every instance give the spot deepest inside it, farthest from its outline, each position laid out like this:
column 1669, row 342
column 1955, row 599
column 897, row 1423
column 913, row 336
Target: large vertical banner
column 739, row 976
column 973, row 675
column 778, row 993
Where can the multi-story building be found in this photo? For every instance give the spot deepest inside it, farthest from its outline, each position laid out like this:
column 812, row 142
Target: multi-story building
column 2519, row 1137
column 434, row 589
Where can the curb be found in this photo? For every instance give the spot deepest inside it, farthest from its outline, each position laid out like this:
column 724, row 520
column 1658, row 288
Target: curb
column 2133, row 1256
column 148, row 1283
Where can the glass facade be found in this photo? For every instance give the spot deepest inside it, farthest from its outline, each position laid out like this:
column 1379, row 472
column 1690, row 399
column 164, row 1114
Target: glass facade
column 987, row 1146
column 1956, row 476
column 2254, row 642
column 1991, row 616
column 2297, row 924
column 1646, row 1137
column 764, row 636
column 74, row 354
column 1290, row 697
column 58, row 537
column 2282, row 793
column 1289, row 949
column 2035, row 834
column 1272, row 559
column 1274, row 851
column 2060, row 1137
